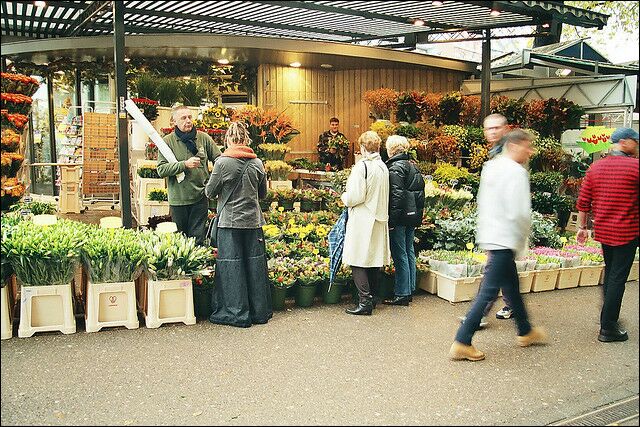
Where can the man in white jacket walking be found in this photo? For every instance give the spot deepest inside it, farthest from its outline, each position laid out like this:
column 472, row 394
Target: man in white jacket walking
column 504, row 224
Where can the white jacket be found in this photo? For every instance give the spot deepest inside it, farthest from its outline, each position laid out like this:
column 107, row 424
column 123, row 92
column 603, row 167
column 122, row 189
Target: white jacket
column 504, row 206
column 366, row 242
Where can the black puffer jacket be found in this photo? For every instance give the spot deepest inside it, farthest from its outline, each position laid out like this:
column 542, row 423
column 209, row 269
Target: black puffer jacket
column 406, row 192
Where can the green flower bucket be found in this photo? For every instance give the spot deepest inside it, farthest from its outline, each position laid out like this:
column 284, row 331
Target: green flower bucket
column 202, row 301
column 333, row 295
column 305, row 295
column 278, row 297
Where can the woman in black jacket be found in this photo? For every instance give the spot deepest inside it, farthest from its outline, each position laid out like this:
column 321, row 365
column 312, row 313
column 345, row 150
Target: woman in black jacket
column 406, row 205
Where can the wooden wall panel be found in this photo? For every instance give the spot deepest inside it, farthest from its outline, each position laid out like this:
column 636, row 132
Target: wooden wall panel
column 342, row 91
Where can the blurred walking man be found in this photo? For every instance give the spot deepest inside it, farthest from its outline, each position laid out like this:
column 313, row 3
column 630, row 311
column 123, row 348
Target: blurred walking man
column 504, row 223
column 610, row 191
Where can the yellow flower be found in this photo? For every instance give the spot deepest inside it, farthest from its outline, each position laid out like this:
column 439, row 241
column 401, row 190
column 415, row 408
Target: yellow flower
column 280, row 209
column 563, row 240
column 470, row 246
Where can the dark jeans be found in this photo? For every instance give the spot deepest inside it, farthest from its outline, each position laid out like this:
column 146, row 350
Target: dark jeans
column 404, row 259
column 363, row 279
column 617, row 264
column 500, row 273
column 241, row 295
column 191, row 219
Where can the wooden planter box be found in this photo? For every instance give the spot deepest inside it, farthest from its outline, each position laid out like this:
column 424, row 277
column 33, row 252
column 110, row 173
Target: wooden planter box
column 457, row 290
column 111, row 304
column 526, row 281
column 7, row 329
column 46, row 308
column 568, row 277
column 591, row 275
column 427, row 281
column 544, row 280
column 169, row 301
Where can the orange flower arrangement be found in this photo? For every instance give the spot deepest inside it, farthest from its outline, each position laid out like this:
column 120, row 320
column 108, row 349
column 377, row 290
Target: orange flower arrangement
column 381, row 101
column 17, row 121
column 10, row 140
column 19, row 83
column 470, row 113
column 11, row 163
column 445, row 148
column 16, row 103
column 431, row 107
column 11, row 187
column 266, row 126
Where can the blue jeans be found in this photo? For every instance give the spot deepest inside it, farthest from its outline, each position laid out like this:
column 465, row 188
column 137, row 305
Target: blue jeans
column 500, row 273
column 404, row 259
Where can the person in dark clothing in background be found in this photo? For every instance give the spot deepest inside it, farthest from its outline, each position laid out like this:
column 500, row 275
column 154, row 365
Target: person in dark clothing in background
column 334, row 157
column 610, row 190
column 193, row 150
column 406, row 205
column 242, row 295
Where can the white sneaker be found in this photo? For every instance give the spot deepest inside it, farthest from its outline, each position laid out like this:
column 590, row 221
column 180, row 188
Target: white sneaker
column 483, row 321
column 504, row 313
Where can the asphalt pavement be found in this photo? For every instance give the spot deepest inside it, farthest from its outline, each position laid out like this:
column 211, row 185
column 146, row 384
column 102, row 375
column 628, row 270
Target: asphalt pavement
column 320, row 366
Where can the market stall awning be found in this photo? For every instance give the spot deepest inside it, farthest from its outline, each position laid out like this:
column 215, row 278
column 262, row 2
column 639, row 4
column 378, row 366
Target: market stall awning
column 342, row 21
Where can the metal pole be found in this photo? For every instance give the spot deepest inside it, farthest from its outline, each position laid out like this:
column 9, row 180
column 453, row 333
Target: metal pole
column 78, row 89
column 485, row 85
column 52, row 132
column 121, row 113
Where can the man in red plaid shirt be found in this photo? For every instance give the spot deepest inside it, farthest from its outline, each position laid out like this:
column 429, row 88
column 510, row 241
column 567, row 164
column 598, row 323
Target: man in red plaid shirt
column 610, row 192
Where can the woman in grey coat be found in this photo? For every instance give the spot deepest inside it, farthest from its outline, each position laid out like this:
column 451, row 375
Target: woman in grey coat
column 241, row 296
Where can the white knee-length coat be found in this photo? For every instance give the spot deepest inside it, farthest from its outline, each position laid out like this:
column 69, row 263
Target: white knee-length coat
column 366, row 242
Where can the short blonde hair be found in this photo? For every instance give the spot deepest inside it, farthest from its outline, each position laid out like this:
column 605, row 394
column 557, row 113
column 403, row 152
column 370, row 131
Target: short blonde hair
column 237, row 134
column 397, row 144
column 371, row 141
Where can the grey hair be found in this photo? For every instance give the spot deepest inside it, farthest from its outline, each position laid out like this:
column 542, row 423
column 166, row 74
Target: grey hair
column 237, row 134
column 397, row 144
column 177, row 108
column 503, row 120
column 516, row 136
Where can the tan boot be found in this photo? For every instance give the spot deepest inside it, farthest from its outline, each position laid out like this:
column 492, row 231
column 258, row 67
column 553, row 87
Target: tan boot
column 461, row 351
column 535, row 336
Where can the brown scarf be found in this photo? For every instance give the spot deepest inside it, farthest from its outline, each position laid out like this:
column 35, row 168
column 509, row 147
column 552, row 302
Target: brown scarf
column 239, row 152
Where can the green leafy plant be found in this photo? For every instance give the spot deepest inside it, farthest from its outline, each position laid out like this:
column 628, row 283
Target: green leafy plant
column 113, row 255
column 44, row 255
column 168, row 92
column 543, row 232
column 146, row 86
column 173, row 256
column 450, row 108
column 192, row 92
column 148, row 172
column 408, row 107
column 546, row 181
column 158, row 195
column 35, row 207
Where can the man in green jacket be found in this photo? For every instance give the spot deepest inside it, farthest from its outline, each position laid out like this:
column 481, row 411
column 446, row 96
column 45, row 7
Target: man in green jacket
column 193, row 150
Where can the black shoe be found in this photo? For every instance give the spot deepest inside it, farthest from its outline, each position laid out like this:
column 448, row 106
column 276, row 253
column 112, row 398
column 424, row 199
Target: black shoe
column 397, row 301
column 611, row 335
column 410, row 298
column 364, row 309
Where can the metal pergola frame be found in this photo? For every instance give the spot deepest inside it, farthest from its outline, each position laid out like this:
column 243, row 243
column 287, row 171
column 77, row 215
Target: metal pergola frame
column 397, row 24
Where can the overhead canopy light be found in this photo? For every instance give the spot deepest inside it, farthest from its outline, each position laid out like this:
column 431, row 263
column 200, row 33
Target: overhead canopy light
column 295, row 64
column 418, row 23
column 223, row 61
column 39, row 3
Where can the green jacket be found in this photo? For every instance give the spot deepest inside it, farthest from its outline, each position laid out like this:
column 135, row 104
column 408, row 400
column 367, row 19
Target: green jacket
column 191, row 189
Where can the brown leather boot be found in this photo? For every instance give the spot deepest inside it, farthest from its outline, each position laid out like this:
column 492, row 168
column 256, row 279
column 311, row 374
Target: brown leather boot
column 461, row 351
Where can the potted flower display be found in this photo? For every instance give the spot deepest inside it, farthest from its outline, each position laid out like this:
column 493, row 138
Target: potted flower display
column 44, row 259
column 381, row 101
column 311, row 200
column 266, row 126
column 281, row 277
column 113, row 258
column 278, row 170
column 273, row 151
column 331, row 293
column 311, row 272
column 172, row 259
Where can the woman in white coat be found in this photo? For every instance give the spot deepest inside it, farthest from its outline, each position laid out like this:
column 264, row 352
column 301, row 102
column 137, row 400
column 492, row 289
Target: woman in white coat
column 366, row 242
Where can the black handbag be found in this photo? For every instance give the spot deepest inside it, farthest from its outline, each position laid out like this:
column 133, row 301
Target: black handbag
column 212, row 232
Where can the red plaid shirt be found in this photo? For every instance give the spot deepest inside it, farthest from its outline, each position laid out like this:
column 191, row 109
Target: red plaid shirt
column 610, row 190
